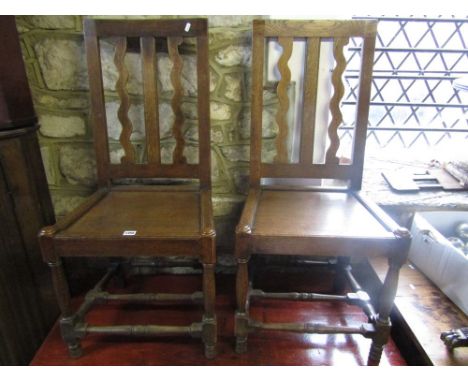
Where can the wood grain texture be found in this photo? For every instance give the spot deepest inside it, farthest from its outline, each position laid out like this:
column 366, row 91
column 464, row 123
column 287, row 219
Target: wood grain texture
column 150, row 87
column 310, row 100
column 320, row 28
column 274, row 349
column 176, row 102
column 151, row 170
column 141, row 220
column 27, row 304
column 313, row 222
column 338, row 92
column 15, row 88
column 203, row 90
column 302, row 213
column 258, row 57
column 365, row 87
column 283, row 99
column 151, row 214
column 314, row 31
column 294, row 170
column 98, row 107
column 154, row 27
column 122, row 112
column 25, row 290
column 147, row 32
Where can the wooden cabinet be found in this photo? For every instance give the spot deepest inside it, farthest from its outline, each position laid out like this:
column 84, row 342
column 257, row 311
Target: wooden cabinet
column 27, row 304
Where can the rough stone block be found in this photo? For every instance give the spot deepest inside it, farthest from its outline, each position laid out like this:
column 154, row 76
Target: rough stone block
column 135, row 114
column 233, row 86
column 191, row 153
column 224, row 37
column 63, row 204
column 234, row 55
column 47, row 22
column 269, row 124
column 191, row 132
column 268, row 151
column 56, row 126
column 241, row 179
column 48, row 162
column 167, row 150
column 236, row 153
column 227, row 205
column 137, row 117
column 110, row 73
column 230, row 21
column 60, row 101
column 115, row 155
column 78, row 165
column 214, row 80
column 166, row 120
column 220, row 111
column 62, row 63
column 190, row 110
column 188, row 76
column 215, row 171
column 217, row 135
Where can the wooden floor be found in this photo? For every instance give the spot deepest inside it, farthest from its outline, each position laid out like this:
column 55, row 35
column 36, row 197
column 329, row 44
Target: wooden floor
column 265, row 348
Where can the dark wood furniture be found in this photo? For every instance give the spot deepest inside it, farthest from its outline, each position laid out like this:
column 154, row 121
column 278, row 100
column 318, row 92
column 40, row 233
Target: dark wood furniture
column 421, row 310
column 421, row 313
column 141, row 220
column 27, row 304
column 276, row 350
column 315, row 221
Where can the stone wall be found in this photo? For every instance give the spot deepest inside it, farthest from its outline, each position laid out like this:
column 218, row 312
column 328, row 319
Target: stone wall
column 55, row 60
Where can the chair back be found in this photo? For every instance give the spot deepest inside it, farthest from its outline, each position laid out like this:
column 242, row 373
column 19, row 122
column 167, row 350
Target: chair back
column 145, row 77
column 315, row 34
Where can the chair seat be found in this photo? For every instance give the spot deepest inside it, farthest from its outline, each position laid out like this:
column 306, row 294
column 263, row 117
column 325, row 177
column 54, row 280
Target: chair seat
column 314, row 214
column 150, row 214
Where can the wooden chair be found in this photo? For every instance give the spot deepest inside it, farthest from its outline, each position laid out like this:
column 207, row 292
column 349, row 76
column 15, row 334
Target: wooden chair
column 141, row 220
column 314, row 220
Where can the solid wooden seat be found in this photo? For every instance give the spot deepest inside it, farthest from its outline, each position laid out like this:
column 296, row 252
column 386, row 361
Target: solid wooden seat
column 288, row 211
column 315, row 214
column 152, row 215
column 172, row 217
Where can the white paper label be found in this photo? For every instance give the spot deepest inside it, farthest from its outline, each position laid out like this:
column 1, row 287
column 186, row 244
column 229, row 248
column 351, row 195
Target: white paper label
column 129, row 233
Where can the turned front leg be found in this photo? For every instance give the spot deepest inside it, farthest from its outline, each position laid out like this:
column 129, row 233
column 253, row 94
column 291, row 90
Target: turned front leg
column 242, row 290
column 61, row 289
column 209, row 331
column 383, row 323
column 67, row 319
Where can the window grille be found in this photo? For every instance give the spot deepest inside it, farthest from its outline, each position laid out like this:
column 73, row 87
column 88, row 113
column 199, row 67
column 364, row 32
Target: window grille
column 413, row 100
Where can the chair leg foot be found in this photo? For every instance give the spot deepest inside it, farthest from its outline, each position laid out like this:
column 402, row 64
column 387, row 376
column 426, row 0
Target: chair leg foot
column 209, row 336
column 379, row 341
column 241, row 331
column 75, row 350
column 241, row 345
column 375, row 354
column 210, row 351
column 70, row 337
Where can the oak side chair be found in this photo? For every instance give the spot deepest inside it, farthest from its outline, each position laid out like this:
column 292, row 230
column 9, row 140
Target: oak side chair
column 335, row 222
column 124, row 221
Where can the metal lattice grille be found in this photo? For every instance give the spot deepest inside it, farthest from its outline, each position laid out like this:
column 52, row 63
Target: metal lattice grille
column 413, row 101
